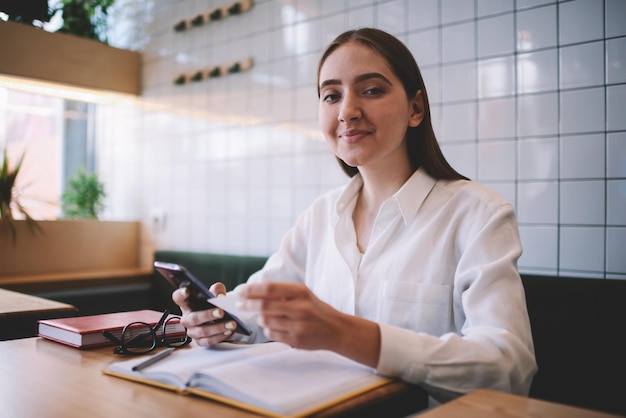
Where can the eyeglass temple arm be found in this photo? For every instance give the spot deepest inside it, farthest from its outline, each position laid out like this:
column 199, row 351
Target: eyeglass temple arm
column 112, row 337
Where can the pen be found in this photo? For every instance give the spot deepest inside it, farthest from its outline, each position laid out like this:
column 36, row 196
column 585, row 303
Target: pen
column 153, row 359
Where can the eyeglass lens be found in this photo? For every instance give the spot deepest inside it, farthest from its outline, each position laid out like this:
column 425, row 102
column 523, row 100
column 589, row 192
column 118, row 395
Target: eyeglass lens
column 171, row 335
column 138, row 338
column 141, row 338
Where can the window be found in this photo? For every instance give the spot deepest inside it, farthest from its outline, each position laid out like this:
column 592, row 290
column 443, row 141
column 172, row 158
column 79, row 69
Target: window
column 56, row 137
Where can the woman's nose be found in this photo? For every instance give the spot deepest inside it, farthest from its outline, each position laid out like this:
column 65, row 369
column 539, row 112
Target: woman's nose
column 350, row 109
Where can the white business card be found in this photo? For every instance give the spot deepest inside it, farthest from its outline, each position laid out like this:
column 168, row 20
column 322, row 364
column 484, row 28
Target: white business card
column 229, row 303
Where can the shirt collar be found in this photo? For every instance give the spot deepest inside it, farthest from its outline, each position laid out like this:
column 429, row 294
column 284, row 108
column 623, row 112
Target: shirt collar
column 408, row 198
column 413, row 193
column 349, row 193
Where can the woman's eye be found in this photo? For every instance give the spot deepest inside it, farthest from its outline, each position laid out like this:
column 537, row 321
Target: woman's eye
column 375, row 91
column 330, row 97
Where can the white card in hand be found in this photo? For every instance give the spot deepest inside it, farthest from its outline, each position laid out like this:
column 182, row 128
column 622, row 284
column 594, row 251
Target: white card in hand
column 228, row 304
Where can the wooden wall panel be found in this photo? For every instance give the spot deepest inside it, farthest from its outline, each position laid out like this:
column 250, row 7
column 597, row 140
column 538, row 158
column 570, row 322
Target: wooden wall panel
column 30, row 52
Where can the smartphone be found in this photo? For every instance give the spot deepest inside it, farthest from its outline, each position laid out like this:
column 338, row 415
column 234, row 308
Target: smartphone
column 199, row 295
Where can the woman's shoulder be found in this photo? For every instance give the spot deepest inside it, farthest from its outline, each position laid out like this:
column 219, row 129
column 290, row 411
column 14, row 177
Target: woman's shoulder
column 472, row 190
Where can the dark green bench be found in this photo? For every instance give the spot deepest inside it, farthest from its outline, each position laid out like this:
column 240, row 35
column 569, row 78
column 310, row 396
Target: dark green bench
column 578, row 327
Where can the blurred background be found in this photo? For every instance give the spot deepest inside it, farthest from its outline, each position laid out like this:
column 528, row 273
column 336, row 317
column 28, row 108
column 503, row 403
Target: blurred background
column 527, row 97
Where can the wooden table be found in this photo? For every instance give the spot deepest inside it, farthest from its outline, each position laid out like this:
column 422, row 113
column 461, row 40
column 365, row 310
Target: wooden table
column 42, row 378
column 20, row 312
column 492, row 404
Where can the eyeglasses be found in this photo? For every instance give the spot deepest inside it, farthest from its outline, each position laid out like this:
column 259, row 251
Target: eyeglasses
column 141, row 337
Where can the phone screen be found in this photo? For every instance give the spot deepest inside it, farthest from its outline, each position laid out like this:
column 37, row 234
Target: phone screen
column 199, row 294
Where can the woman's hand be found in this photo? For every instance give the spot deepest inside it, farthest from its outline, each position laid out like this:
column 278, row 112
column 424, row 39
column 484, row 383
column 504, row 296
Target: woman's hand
column 292, row 314
column 205, row 327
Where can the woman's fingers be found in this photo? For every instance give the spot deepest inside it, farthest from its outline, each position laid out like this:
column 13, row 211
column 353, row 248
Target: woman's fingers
column 179, row 296
column 210, row 334
column 218, row 289
column 206, row 327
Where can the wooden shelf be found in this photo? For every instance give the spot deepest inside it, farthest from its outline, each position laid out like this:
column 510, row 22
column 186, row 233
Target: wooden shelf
column 76, row 281
column 66, row 246
column 32, row 53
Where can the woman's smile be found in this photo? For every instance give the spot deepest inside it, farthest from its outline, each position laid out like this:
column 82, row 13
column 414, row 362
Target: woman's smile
column 353, row 135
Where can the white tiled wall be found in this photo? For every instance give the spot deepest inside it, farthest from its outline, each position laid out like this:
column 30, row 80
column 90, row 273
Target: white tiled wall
column 527, row 96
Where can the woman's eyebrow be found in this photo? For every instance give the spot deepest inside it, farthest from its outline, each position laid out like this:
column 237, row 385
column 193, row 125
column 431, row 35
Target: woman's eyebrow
column 357, row 79
column 368, row 76
column 331, row 82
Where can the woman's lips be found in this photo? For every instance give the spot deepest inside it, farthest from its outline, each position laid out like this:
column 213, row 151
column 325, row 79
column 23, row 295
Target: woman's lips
column 353, row 135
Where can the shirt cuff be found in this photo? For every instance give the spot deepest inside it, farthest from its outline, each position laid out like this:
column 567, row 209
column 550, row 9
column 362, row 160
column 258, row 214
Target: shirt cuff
column 398, row 357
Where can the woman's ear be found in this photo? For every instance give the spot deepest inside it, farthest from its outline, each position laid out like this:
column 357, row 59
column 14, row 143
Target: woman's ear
column 417, row 110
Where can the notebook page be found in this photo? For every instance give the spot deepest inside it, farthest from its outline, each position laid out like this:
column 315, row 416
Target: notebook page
column 290, row 381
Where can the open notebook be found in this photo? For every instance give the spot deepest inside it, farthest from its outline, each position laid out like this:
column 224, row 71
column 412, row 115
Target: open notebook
column 272, row 379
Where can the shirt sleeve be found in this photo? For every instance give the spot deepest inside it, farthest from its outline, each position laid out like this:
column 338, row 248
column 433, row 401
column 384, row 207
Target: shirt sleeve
column 494, row 348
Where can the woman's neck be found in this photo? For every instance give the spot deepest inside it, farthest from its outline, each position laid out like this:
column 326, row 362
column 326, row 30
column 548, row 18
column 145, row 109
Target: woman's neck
column 377, row 187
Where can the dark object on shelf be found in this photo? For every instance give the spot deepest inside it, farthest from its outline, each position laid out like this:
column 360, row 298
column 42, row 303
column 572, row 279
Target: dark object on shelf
column 235, row 9
column 198, row 76
column 215, row 72
column 180, row 26
column 197, row 21
column 235, row 68
column 216, row 15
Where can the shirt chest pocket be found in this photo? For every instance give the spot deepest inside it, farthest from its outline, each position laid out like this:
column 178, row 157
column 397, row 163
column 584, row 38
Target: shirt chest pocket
column 417, row 306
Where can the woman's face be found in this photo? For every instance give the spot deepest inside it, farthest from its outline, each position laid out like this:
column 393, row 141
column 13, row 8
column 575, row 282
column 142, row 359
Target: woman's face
column 364, row 112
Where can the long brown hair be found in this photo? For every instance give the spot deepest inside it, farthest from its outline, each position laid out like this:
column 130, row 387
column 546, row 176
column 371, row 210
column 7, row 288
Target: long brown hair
column 422, row 145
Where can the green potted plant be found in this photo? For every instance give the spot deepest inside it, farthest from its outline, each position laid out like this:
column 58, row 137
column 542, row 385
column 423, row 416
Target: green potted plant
column 10, row 198
column 84, row 197
column 85, row 18
column 74, row 247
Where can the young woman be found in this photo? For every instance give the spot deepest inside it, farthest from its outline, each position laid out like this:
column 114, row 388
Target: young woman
column 410, row 268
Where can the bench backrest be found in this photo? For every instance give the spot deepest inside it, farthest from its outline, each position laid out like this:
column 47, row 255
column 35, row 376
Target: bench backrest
column 578, row 329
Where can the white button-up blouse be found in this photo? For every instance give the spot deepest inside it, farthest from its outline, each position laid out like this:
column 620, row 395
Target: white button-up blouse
column 439, row 276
